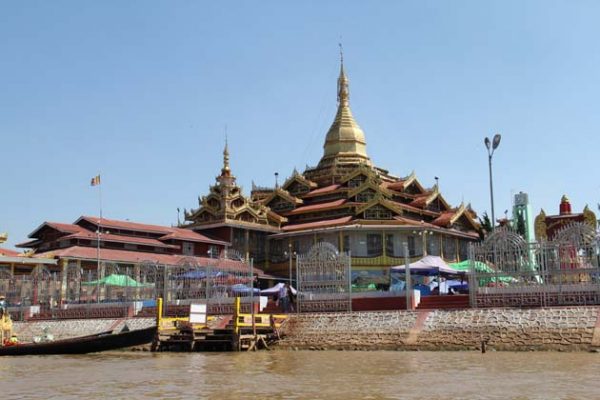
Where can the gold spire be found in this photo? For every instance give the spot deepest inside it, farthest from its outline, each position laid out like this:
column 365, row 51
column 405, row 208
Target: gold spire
column 345, row 141
column 225, row 171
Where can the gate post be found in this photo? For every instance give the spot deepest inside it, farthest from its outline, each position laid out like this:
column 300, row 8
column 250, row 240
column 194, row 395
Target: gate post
column 407, row 283
column 298, row 284
column 350, row 279
column 473, row 283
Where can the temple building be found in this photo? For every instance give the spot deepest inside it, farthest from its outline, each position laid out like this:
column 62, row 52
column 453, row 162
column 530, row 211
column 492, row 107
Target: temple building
column 345, row 200
column 123, row 244
column 546, row 226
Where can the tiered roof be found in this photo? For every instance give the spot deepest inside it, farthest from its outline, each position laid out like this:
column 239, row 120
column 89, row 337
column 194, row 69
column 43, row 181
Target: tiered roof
column 345, row 188
column 115, row 231
column 124, row 256
column 226, row 205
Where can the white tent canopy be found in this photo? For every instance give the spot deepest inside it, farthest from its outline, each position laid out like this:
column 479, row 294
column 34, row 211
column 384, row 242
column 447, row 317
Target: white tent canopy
column 275, row 290
column 428, row 264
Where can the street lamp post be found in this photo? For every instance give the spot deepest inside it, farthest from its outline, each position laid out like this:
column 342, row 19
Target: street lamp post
column 491, row 146
column 291, row 254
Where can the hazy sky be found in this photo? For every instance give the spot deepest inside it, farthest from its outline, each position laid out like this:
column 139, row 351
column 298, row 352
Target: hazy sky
column 142, row 91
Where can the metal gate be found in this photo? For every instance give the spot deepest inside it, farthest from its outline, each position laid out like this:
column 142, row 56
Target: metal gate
column 324, row 280
column 506, row 271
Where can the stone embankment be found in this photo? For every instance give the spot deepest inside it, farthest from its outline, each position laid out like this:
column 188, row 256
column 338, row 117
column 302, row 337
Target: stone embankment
column 563, row 329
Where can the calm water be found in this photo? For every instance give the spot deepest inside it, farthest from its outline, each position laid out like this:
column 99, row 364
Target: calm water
column 304, row 375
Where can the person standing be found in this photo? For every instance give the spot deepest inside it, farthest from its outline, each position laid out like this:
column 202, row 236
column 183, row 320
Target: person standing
column 283, row 298
column 2, row 305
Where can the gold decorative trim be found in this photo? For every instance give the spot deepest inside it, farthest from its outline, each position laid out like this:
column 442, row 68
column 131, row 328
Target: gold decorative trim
column 541, row 230
column 589, row 217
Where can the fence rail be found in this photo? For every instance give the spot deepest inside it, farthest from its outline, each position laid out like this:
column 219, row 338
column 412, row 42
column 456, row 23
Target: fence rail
column 506, row 271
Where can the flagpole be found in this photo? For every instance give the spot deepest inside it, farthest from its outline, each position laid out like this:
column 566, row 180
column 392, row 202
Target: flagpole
column 100, row 194
column 98, row 240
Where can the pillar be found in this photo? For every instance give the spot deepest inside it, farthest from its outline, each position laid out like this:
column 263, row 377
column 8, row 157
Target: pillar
column 137, row 275
column 102, row 293
column 64, row 282
column 247, row 245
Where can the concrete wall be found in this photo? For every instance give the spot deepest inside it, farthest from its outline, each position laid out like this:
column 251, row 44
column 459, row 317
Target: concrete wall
column 567, row 328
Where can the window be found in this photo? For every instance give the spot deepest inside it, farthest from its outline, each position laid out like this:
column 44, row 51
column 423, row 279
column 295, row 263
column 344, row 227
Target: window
column 213, row 251
column 433, row 245
column 346, row 243
column 188, row 248
column 297, row 188
column 365, row 196
column 389, row 245
column 374, row 245
column 449, row 247
column 279, row 205
column 412, row 250
column 378, row 212
column 463, row 250
column 356, row 182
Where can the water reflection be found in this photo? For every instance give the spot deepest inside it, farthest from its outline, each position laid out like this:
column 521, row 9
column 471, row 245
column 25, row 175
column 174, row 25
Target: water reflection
column 303, row 375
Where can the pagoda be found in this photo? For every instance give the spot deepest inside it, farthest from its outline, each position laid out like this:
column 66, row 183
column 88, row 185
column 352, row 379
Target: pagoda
column 547, row 226
column 345, row 200
column 226, row 213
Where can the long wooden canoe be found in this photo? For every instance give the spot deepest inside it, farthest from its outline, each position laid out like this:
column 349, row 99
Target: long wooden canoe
column 83, row 344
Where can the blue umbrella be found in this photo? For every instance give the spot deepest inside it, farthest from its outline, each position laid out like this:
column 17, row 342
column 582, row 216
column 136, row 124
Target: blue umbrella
column 241, row 288
column 198, row 274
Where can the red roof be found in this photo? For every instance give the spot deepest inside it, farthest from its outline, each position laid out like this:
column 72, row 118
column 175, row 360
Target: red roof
column 413, row 222
column 89, row 253
column 29, row 243
column 65, row 228
column 9, row 253
column 126, row 225
column 444, row 219
column 420, row 201
column 191, row 236
column 324, row 189
column 415, row 209
column 317, row 224
column 109, row 237
column 320, row 206
column 399, row 185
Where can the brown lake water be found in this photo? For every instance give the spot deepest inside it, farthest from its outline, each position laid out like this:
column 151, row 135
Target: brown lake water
column 303, row 375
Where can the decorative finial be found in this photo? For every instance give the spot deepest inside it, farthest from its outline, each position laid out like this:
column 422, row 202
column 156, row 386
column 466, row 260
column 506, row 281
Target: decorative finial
column 225, row 171
column 343, row 91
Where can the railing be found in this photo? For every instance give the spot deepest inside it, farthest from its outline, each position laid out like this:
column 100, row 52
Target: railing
column 254, row 320
column 381, row 261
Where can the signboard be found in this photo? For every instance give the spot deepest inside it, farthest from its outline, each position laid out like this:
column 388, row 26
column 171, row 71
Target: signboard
column 198, row 313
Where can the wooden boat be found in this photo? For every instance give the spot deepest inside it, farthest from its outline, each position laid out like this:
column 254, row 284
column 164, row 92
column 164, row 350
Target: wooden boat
column 84, row 344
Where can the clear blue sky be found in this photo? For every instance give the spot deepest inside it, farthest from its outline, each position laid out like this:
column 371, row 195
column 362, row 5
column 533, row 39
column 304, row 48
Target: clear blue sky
column 142, row 91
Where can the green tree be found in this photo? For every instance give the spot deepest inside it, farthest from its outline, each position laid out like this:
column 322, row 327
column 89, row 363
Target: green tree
column 486, row 225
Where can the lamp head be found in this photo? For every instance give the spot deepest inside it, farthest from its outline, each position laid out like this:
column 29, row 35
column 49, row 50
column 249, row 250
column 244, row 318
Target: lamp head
column 496, row 141
column 487, row 142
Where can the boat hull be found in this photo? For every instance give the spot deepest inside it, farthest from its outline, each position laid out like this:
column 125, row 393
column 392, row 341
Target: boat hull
column 82, row 345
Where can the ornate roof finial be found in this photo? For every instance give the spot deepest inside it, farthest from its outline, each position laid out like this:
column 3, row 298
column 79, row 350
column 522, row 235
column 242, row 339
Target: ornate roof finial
column 226, row 171
column 343, row 91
